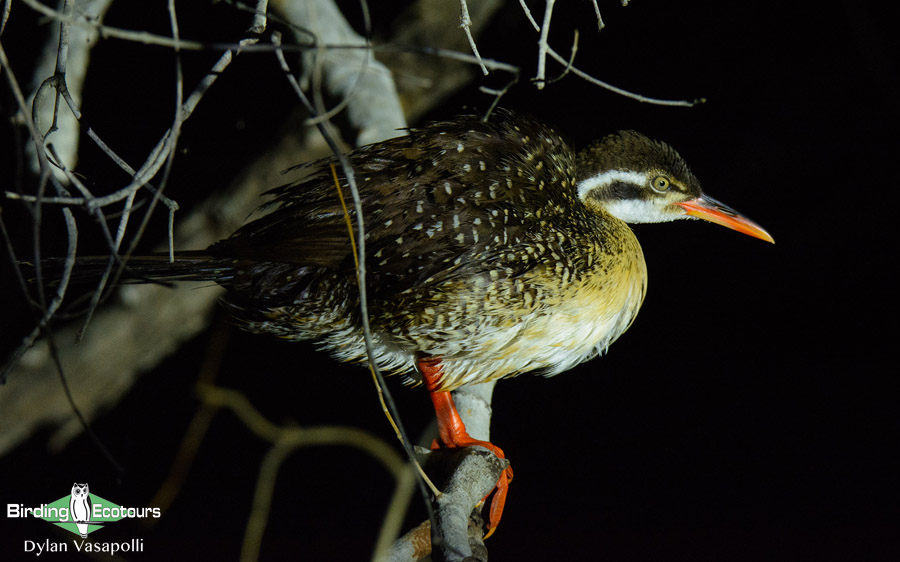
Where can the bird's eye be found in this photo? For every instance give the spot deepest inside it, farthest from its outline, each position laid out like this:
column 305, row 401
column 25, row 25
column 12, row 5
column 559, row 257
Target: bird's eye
column 660, row 183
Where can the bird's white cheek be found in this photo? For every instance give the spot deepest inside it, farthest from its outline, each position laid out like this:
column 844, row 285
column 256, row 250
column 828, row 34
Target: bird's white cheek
column 633, row 211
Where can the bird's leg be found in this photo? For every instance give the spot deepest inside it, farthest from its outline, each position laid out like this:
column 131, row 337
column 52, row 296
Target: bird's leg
column 452, row 433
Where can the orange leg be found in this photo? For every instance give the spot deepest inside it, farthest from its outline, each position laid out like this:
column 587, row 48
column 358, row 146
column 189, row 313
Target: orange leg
column 453, row 434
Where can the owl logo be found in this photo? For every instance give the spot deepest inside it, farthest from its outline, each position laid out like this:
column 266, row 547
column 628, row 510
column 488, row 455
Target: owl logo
column 80, row 508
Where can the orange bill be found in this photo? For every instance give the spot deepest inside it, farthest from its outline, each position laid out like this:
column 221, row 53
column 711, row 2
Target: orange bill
column 709, row 209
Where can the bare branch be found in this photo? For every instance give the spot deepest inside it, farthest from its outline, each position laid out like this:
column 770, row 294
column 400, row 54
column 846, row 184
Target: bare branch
column 584, row 75
column 498, row 94
column 395, row 514
column 471, row 59
column 107, row 31
column 413, row 546
column 453, row 538
column 465, row 22
column 71, row 227
column 528, row 15
column 544, row 49
column 285, row 440
column 542, row 44
column 259, row 17
column 569, row 64
column 7, row 8
column 429, row 28
column 600, row 24
column 186, row 309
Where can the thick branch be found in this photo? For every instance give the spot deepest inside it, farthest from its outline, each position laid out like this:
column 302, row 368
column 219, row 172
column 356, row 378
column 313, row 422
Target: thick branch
column 457, row 534
column 350, row 73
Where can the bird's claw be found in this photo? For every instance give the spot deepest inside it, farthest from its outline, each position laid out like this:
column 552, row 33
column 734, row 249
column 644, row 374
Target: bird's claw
column 496, row 511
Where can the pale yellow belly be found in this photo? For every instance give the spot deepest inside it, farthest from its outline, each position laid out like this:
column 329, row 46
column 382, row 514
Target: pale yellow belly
column 552, row 338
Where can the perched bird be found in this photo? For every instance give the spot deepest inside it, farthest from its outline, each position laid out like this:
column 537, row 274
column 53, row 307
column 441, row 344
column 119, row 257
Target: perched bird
column 493, row 249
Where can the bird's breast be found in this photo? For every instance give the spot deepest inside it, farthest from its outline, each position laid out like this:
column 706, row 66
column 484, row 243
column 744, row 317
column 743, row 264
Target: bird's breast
column 573, row 316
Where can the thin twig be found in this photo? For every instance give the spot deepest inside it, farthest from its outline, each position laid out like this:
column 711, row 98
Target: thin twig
column 199, row 426
column 285, row 440
column 170, row 204
column 71, row 227
column 395, row 514
column 465, row 22
column 11, row 251
column 114, row 32
column 164, row 147
column 350, row 178
column 528, row 15
column 600, row 24
column 497, row 95
column 540, row 79
column 545, row 49
column 129, row 201
column 178, row 120
column 569, row 64
column 585, row 76
column 7, row 8
column 471, row 59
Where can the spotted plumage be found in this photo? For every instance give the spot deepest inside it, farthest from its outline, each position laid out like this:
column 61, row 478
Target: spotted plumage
column 493, row 245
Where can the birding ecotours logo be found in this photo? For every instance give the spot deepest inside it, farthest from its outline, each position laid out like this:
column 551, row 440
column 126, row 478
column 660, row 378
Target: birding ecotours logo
column 80, row 512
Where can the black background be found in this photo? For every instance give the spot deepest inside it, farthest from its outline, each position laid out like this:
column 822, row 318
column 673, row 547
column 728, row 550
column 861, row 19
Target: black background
column 750, row 413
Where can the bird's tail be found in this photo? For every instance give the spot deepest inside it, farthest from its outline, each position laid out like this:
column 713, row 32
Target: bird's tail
column 187, row 266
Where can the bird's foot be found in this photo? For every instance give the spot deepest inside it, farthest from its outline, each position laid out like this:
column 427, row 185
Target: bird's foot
column 453, row 435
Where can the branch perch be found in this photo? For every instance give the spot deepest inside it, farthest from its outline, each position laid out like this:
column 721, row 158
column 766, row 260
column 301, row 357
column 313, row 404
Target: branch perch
column 457, row 532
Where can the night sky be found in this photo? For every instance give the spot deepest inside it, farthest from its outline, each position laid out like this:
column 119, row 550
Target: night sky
column 750, row 413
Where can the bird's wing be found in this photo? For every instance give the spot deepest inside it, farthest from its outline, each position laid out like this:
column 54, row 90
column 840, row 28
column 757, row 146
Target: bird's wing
column 448, row 200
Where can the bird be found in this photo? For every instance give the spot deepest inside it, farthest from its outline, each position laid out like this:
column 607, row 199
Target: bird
column 493, row 248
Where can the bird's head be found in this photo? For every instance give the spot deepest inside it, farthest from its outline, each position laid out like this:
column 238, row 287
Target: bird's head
column 637, row 180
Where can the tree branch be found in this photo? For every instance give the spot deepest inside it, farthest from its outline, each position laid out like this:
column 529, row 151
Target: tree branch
column 364, row 86
column 457, row 532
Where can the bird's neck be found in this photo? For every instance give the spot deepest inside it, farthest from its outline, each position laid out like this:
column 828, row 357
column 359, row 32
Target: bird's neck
column 619, row 241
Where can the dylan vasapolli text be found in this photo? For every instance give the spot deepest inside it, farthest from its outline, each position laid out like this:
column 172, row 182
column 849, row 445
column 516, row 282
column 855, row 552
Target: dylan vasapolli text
column 38, row 548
